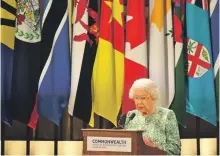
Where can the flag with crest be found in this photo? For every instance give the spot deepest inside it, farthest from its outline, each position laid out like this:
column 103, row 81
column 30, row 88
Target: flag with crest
column 201, row 96
column 84, row 46
column 26, row 62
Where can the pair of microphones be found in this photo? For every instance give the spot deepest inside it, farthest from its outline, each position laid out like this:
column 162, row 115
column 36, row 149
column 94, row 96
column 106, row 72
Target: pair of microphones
column 122, row 119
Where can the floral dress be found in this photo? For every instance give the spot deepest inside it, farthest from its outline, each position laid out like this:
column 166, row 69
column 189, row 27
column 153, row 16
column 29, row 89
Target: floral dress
column 160, row 127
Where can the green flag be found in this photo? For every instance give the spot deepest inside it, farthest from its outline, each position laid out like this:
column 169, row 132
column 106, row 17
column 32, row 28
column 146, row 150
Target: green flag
column 178, row 104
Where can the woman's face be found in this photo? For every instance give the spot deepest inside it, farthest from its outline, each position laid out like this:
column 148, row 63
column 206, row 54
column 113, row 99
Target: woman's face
column 143, row 101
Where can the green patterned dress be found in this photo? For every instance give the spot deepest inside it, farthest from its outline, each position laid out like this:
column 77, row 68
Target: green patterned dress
column 160, row 127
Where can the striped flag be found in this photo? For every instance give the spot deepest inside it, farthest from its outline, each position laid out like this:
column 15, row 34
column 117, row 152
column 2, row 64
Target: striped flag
column 178, row 104
column 26, row 62
column 135, row 49
column 108, row 71
column 7, row 28
column 214, row 13
column 54, row 83
column 201, row 96
column 161, row 54
column 85, row 31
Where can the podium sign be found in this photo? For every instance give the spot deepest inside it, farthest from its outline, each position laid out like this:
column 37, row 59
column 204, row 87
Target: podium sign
column 114, row 144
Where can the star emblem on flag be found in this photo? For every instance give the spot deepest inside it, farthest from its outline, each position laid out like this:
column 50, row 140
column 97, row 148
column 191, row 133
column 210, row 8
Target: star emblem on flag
column 117, row 14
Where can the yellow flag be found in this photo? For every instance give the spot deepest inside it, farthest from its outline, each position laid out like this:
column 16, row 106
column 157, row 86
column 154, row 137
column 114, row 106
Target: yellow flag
column 7, row 26
column 108, row 71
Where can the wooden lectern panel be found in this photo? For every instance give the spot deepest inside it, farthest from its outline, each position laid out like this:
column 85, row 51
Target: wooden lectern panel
column 138, row 147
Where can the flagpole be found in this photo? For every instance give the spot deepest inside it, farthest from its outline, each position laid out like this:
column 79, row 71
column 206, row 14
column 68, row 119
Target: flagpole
column 217, row 128
column 85, row 125
column 36, row 137
column 60, row 130
column 100, row 122
column 28, row 136
column 2, row 139
column 71, row 128
column 198, row 135
column 56, row 139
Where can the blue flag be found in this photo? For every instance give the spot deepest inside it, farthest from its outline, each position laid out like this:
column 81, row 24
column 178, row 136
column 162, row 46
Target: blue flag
column 54, row 83
column 6, row 75
column 214, row 13
column 7, row 29
column 201, row 95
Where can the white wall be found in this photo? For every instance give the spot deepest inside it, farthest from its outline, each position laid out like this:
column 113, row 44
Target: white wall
column 207, row 147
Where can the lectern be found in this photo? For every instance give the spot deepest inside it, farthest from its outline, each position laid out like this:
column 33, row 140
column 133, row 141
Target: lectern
column 116, row 142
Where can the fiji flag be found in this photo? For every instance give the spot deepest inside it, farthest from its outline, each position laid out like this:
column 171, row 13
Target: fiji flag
column 54, row 83
column 201, row 96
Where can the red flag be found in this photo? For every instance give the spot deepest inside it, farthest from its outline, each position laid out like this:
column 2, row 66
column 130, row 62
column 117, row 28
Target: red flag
column 136, row 49
column 108, row 70
column 34, row 116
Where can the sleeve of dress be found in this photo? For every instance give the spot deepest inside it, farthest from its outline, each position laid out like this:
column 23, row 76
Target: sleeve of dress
column 173, row 144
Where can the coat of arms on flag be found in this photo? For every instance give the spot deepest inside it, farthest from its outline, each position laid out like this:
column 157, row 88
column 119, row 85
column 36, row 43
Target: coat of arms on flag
column 28, row 18
column 82, row 20
column 198, row 59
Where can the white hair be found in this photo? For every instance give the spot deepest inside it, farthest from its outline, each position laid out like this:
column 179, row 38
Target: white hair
column 147, row 85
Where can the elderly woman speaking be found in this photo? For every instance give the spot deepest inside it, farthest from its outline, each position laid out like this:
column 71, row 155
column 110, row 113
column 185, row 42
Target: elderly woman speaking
column 159, row 124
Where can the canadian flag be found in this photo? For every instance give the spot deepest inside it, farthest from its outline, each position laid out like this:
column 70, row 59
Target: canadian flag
column 135, row 49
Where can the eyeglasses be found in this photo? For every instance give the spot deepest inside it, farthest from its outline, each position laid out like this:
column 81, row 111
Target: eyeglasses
column 142, row 98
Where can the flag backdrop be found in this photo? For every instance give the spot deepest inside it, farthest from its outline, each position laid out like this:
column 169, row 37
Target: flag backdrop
column 26, row 61
column 135, row 49
column 54, row 83
column 37, row 72
column 85, row 31
column 161, row 54
column 108, row 71
column 201, row 96
column 8, row 12
column 179, row 103
column 214, row 13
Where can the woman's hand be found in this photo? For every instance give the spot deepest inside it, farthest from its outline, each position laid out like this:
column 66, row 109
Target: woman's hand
column 148, row 142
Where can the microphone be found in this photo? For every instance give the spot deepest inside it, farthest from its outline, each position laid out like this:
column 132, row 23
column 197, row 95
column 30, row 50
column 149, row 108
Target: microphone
column 132, row 116
column 121, row 120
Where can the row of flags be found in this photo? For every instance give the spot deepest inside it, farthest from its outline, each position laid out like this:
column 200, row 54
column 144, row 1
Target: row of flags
column 43, row 70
